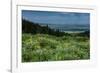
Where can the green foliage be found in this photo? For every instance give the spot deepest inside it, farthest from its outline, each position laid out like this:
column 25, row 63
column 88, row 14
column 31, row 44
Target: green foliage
column 41, row 43
column 45, row 47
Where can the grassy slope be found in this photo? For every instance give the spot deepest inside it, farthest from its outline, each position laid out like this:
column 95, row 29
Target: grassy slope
column 44, row 47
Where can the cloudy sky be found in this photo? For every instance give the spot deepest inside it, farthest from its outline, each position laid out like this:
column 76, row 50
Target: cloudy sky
column 56, row 17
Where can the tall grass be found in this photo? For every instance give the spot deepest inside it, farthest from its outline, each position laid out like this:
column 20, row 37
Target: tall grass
column 45, row 47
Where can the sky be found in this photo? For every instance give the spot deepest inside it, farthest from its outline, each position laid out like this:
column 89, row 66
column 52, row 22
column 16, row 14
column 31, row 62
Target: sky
column 49, row 17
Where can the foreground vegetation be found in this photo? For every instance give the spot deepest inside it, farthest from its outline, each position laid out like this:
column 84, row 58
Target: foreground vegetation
column 44, row 47
column 42, row 43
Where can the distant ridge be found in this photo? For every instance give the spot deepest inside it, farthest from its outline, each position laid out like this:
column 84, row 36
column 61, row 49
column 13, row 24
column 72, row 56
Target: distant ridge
column 34, row 28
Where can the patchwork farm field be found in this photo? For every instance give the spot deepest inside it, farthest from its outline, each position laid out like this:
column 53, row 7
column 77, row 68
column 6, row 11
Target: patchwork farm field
column 45, row 47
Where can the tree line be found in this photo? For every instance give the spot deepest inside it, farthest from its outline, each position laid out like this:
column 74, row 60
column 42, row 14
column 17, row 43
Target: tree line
column 34, row 28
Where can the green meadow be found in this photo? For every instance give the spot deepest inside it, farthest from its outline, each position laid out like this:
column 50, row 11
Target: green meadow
column 45, row 47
